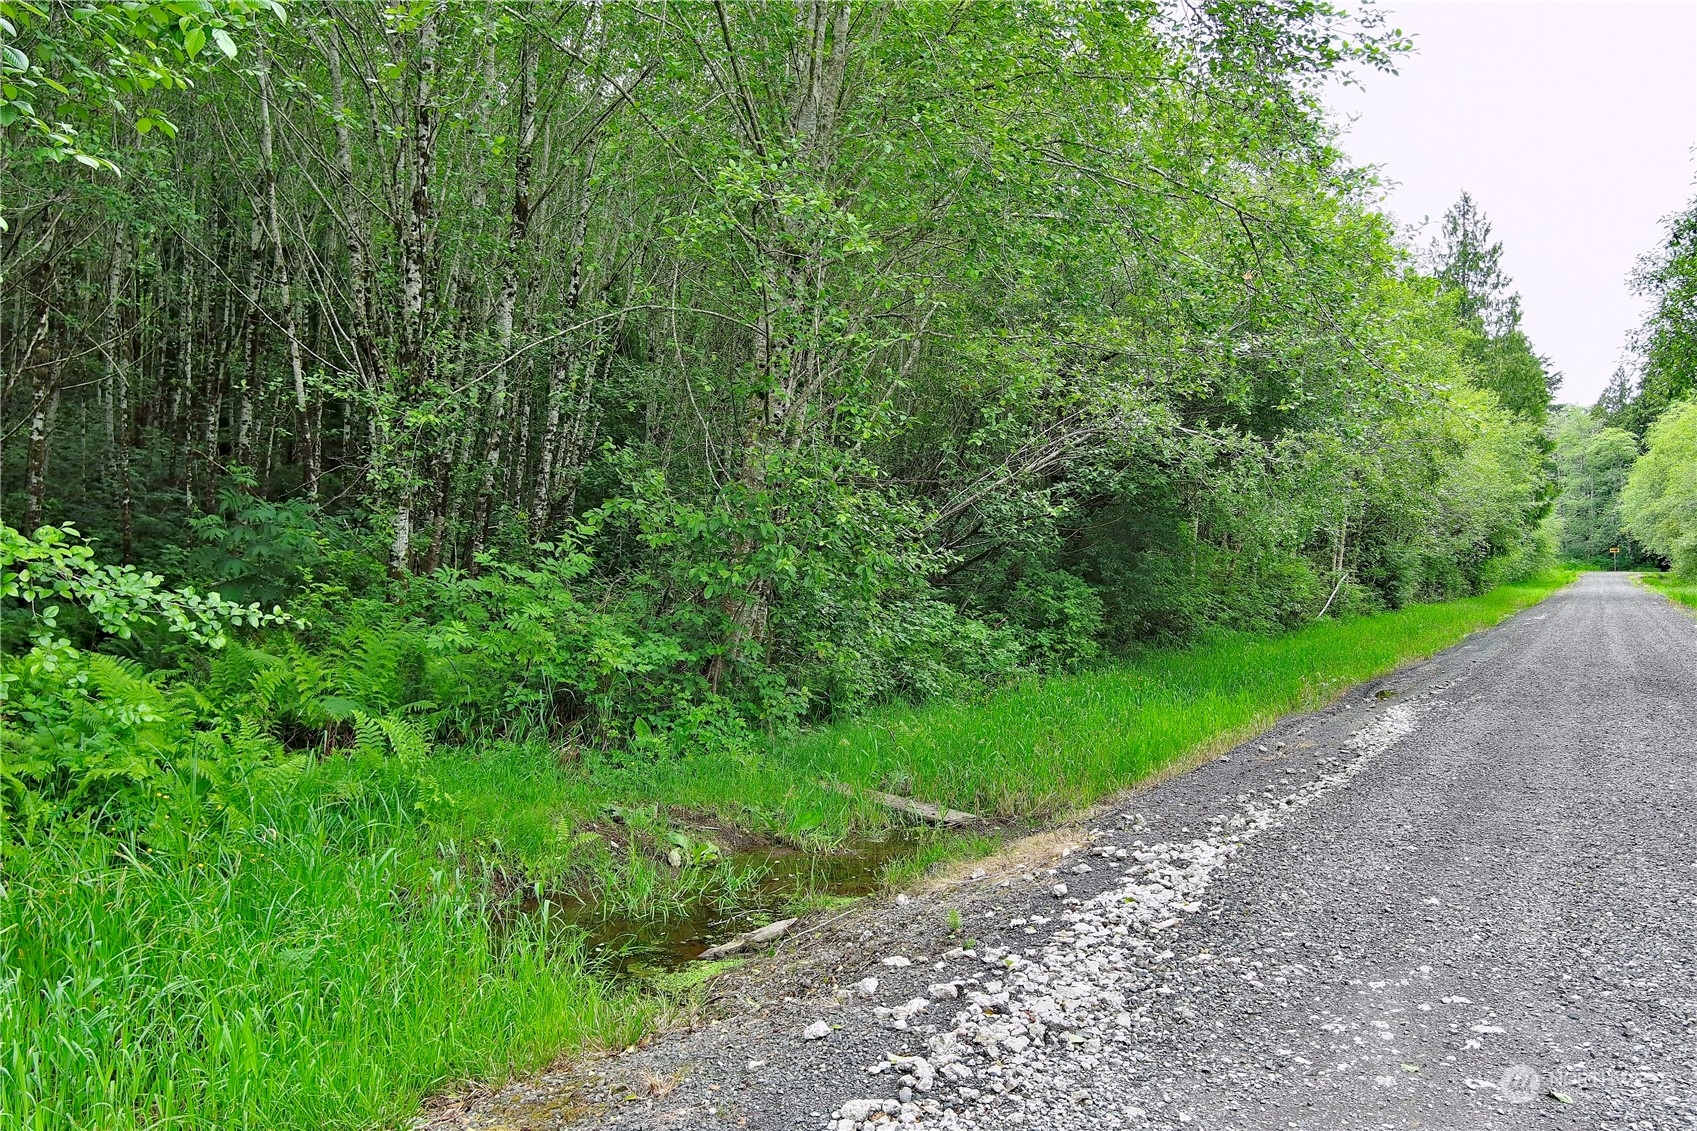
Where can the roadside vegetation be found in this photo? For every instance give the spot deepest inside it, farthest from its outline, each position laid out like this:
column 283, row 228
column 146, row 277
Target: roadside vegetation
column 478, row 471
column 1626, row 468
column 317, row 942
column 1674, row 587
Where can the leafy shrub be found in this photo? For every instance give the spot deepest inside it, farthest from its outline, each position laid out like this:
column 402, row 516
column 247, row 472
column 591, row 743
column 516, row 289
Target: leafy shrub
column 1660, row 500
column 87, row 734
column 250, row 548
column 1055, row 616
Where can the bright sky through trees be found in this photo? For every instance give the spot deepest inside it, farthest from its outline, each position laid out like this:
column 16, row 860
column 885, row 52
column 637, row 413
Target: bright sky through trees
column 1571, row 124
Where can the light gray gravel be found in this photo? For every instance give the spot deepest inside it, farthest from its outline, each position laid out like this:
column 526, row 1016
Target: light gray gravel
column 1464, row 897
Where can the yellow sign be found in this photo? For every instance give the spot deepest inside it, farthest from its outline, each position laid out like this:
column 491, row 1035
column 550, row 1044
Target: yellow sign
column 1614, row 549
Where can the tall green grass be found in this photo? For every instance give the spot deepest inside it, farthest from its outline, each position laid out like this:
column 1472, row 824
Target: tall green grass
column 1673, row 587
column 1062, row 744
column 322, row 966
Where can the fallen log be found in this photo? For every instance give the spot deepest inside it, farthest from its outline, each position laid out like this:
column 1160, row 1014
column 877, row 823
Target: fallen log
column 924, row 810
column 751, row 938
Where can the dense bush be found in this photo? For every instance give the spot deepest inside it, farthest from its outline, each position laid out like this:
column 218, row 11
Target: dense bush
column 1660, row 499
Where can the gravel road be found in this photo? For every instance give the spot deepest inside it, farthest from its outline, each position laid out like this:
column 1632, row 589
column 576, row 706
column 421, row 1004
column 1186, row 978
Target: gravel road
column 1463, row 897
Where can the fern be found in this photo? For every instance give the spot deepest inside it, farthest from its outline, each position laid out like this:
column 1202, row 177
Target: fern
column 409, row 746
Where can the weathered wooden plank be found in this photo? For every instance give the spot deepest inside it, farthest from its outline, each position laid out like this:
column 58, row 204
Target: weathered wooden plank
column 924, row 810
column 751, row 938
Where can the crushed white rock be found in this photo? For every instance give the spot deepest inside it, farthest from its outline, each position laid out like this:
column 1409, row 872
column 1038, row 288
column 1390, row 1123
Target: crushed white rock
column 1098, row 980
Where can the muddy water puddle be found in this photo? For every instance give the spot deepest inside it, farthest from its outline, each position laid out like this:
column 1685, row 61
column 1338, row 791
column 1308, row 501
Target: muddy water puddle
column 625, row 946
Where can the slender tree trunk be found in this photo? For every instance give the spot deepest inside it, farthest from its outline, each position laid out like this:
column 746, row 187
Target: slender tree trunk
column 415, row 290
column 354, row 234
column 438, row 516
column 44, row 390
column 306, row 445
column 182, row 394
column 212, row 399
column 118, row 397
column 542, row 491
column 41, row 283
column 517, row 231
column 520, row 461
column 252, row 387
column 40, row 430
column 561, row 495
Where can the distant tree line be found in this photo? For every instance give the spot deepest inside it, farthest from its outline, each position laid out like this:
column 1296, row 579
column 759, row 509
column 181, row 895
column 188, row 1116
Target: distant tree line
column 1627, row 467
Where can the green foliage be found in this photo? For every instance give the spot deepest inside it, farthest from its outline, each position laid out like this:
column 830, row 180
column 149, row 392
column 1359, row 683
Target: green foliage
column 1660, row 499
column 315, row 963
column 997, row 406
column 1673, row 587
column 1592, row 462
column 1664, row 368
column 1508, row 367
column 251, row 548
column 1037, row 748
column 1669, row 337
column 68, row 67
column 1052, row 746
column 1469, row 265
column 56, row 564
column 90, row 736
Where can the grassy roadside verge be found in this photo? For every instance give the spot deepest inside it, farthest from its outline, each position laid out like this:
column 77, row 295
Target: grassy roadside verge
column 1674, row 588
column 320, row 964
column 1019, row 756
column 1066, row 743
column 329, row 957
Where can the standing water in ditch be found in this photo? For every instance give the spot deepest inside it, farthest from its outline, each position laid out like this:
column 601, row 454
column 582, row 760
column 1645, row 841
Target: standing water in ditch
column 776, row 881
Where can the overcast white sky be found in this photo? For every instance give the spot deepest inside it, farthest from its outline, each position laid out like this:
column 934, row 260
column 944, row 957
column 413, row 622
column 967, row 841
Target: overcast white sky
column 1573, row 126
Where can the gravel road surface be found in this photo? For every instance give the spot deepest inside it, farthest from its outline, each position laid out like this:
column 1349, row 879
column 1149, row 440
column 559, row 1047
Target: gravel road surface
column 1463, row 897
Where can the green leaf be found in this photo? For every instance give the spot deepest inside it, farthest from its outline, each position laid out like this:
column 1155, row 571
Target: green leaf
column 224, row 42
column 193, row 41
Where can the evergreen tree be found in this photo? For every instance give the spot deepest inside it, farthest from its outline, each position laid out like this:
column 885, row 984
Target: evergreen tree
column 1468, row 262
